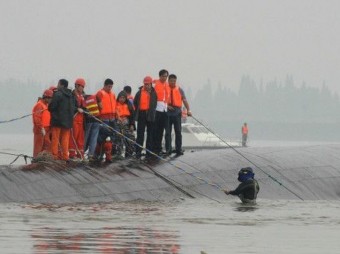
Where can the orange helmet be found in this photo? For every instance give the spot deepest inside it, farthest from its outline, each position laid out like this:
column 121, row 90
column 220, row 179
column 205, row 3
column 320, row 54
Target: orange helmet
column 147, row 80
column 48, row 93
column 80, row 82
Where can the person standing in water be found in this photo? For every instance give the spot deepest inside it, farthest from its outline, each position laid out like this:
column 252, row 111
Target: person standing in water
column 248, row 188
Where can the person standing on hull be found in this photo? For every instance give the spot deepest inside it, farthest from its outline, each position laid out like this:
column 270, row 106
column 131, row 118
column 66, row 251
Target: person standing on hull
column 145, row 103
column 41, row 124
column 91, row 126
column 176, row 98
column 248, row 188
column 244, row 131
column 161, row 119
column 62, row 108
column 126, row 125
column 76, row 143
column 106, row 100
column 128, row 91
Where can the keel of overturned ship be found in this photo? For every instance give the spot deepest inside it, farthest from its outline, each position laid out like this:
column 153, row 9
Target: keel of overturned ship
column 308, row 173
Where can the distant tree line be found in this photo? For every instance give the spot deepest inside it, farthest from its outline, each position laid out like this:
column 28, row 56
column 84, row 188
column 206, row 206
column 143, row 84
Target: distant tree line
column 275, row 110
column 274, row 102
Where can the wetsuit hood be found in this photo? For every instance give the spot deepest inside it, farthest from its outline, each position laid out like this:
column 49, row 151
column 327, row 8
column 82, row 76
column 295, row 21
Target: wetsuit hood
column 245, row 174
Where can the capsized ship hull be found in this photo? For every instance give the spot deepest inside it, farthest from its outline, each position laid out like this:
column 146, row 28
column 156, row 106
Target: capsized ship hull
column 308, row 173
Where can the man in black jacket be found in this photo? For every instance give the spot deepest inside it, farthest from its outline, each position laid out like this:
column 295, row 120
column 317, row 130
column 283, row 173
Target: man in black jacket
column 62, row 108
column 145, row 103
column 248, row 188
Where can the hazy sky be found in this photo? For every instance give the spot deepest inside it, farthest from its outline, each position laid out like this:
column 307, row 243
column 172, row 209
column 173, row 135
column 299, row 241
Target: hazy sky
column 125, row 40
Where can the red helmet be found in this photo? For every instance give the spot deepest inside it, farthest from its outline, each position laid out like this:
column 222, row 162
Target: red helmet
column 48, row 93
column 80, row 81
column 147, row 80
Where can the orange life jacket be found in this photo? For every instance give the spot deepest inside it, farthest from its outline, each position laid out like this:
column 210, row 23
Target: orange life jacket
column 144, row 103
column 162, row 91
column 175, row 97
column 108, row 101
column 41, row 115
column 91, row 105
column 122, row 110
column 244, row 130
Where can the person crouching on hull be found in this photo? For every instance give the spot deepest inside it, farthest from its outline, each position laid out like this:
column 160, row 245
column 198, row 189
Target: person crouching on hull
column 248, row 188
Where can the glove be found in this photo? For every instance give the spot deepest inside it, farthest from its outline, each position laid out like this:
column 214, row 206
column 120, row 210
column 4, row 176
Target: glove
column 43, row 132
column 80, row 110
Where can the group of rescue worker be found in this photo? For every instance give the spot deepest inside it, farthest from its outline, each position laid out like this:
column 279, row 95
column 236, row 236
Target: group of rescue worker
column 70, row 124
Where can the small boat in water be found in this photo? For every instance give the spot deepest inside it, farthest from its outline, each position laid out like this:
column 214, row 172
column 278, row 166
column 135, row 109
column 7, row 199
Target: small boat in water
column 195, row 135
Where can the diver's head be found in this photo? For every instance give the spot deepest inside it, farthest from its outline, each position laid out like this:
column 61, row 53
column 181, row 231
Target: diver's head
column 245, row 174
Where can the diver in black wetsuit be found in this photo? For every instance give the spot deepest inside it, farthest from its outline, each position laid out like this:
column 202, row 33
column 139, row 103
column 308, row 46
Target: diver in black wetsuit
column 248, row 188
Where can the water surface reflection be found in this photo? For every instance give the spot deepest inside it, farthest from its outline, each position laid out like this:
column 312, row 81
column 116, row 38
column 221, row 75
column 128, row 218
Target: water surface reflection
column 183, row 227
column 120, row 240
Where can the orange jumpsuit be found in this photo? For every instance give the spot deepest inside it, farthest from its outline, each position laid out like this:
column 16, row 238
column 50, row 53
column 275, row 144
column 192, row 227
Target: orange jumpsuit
column 77, row 134
column 41, row 120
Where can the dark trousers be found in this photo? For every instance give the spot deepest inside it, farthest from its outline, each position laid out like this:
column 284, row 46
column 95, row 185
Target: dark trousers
column 126, row 139
column 142, row 123
column 244, row 139
column 161, row 124
column 176, row 121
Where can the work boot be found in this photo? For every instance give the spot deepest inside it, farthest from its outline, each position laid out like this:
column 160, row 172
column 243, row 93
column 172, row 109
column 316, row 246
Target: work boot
column 92, row 158
column 179, row 152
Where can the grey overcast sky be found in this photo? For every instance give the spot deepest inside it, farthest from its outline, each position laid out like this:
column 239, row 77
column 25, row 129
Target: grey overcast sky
column 220, row 40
